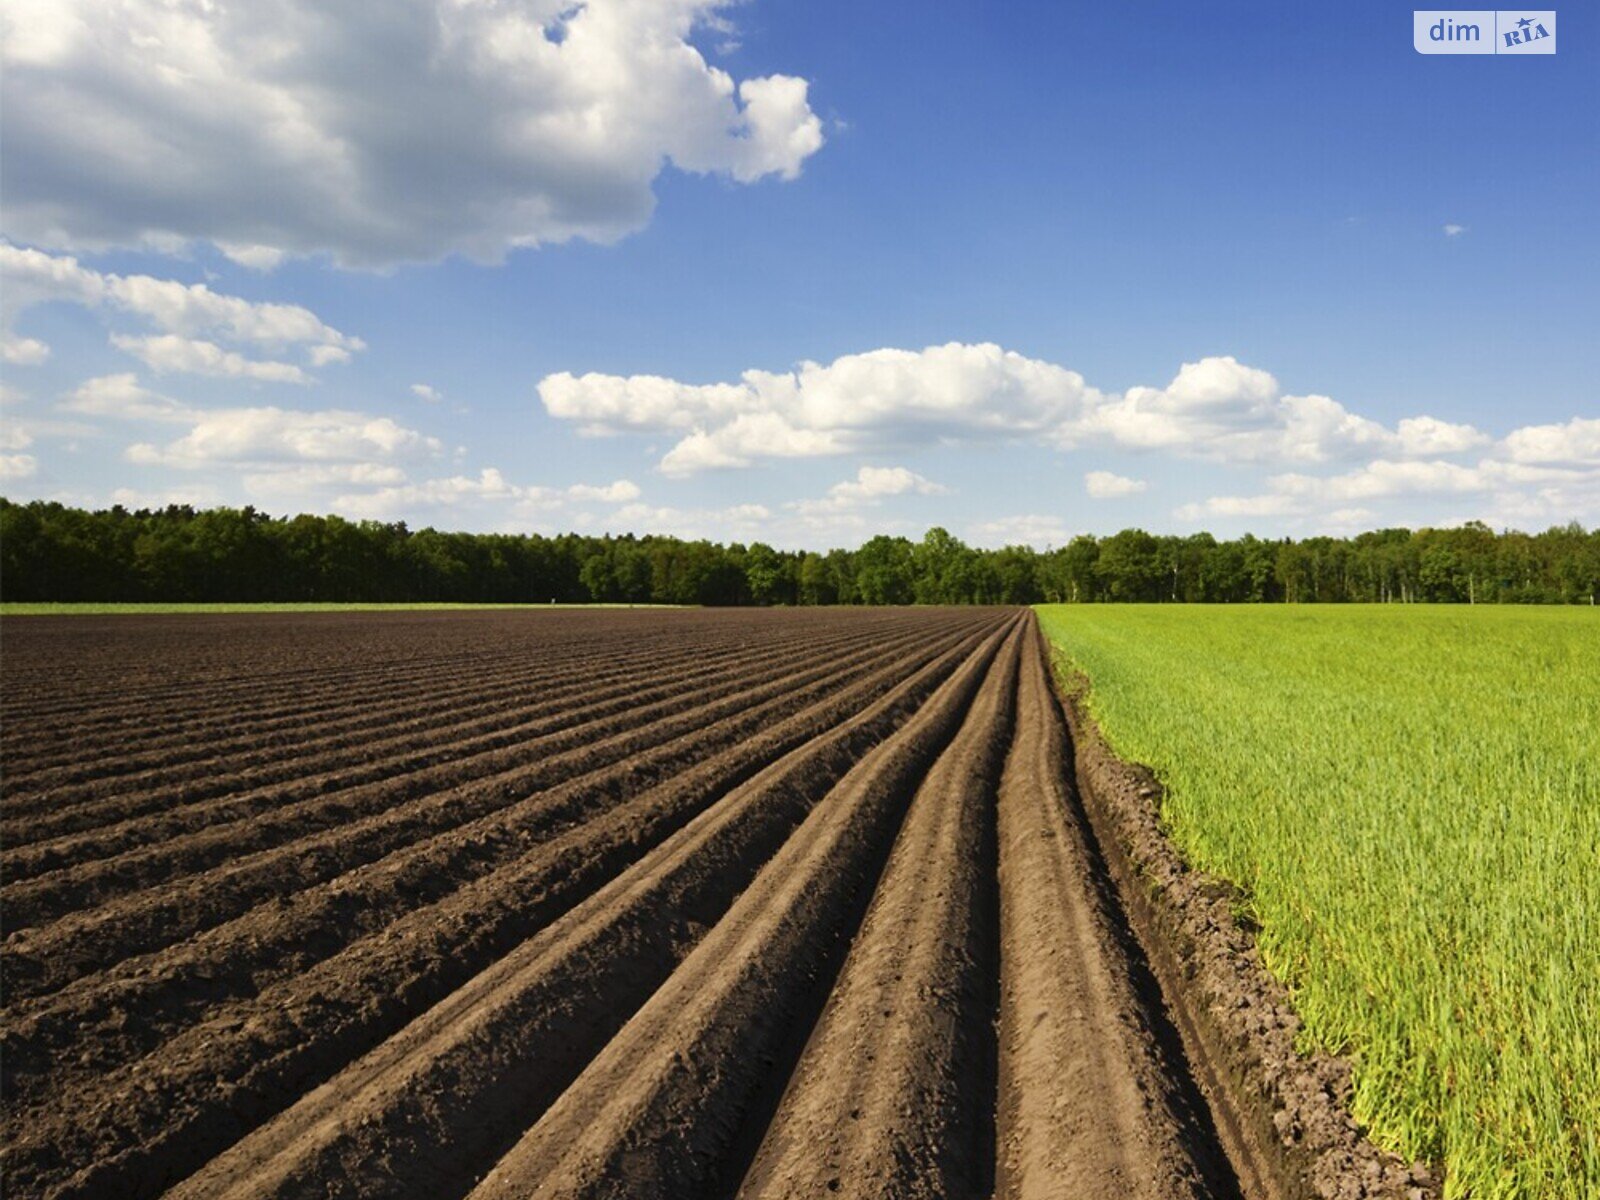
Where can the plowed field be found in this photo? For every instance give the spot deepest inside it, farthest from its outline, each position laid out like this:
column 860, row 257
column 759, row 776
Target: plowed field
column 569, row 904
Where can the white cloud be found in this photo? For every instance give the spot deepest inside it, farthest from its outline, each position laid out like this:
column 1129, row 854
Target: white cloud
column 20, row 433
column 873, row 482
column 871, row 485
column 305, row 480
column 1383, row 478
column 1575, row 441
column 251, row 436
column 1453, row 230
column 185, row 309
column 1024, row 529
column 747, row 438
column 1527, row 491
column 1239, row 506
column 22, row 351
column 257, row 258
column 376, row 133
column 1291, row 494
column 1424, row 437
column 882, row 397
column 783, row 131
column 618, row 492
column 169, row 353
column 404, row 499
column 122, row 396
column 1104, row 485
column 17, row 466
column 1217, row 408
column 604, row 404
column 452, row 497
column 1221, row 409
column 424, row 391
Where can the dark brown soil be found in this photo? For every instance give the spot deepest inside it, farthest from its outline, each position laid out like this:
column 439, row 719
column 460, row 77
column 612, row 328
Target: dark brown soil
column 612, row 904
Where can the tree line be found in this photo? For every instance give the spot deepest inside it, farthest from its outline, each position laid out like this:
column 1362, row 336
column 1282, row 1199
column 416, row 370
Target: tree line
column 49, row 551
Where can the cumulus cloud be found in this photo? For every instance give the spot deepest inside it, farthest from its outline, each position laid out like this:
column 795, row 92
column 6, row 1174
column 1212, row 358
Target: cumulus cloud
column 22, row 351
column 423, row 391
column 306, row 479
column 1268, row 505
column 1105, row 485
column 604, row 404
column 1217, row 408
column 859, row 401
column 511, row 505
column 1222, row 410
column 747, row 438
column 871, row 485
column 248, row 436
column 168, row 353
column 122, row 397
column 1575, row 441
column 402, row 499
column 619, row 492
column 187, row 310
column 376, row 133
column 1505, row 487
column 322, row 356
column 873, row 482
column 17, row 466
column 1453, row 230
column 1423, row 437
column 1297, row 493
column 257, row 258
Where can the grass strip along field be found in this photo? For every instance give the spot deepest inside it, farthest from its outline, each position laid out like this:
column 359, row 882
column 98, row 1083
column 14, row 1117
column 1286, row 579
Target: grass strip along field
column 1409, row 799
column 567, row 904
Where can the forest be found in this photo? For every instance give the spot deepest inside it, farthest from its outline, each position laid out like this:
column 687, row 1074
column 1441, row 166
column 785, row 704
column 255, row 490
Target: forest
column 49, row 551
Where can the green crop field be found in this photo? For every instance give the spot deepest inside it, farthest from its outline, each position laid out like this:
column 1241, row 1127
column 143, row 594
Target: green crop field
column 1409, row 798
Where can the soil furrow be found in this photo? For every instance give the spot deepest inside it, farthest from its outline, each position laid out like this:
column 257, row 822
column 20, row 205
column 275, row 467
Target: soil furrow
column 127, row 812
column 658, row 1110
column 508, row 768
column 156, row 994
column 329, row 834
column 714, row 904
column 92, row 704
column 346, row 706
column 60, row 800
column 1092, row 1103
column 340, row 683
column 217, row 1081
column 888, row 1098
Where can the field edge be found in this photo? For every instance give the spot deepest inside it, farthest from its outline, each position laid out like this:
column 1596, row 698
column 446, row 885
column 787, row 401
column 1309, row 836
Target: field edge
column 1284, row 1117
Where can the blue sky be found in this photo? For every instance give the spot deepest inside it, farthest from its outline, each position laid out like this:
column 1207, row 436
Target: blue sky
column 1057, row 268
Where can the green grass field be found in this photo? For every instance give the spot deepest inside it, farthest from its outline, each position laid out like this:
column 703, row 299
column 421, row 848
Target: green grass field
column 93, row 609
column 1410, row 799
